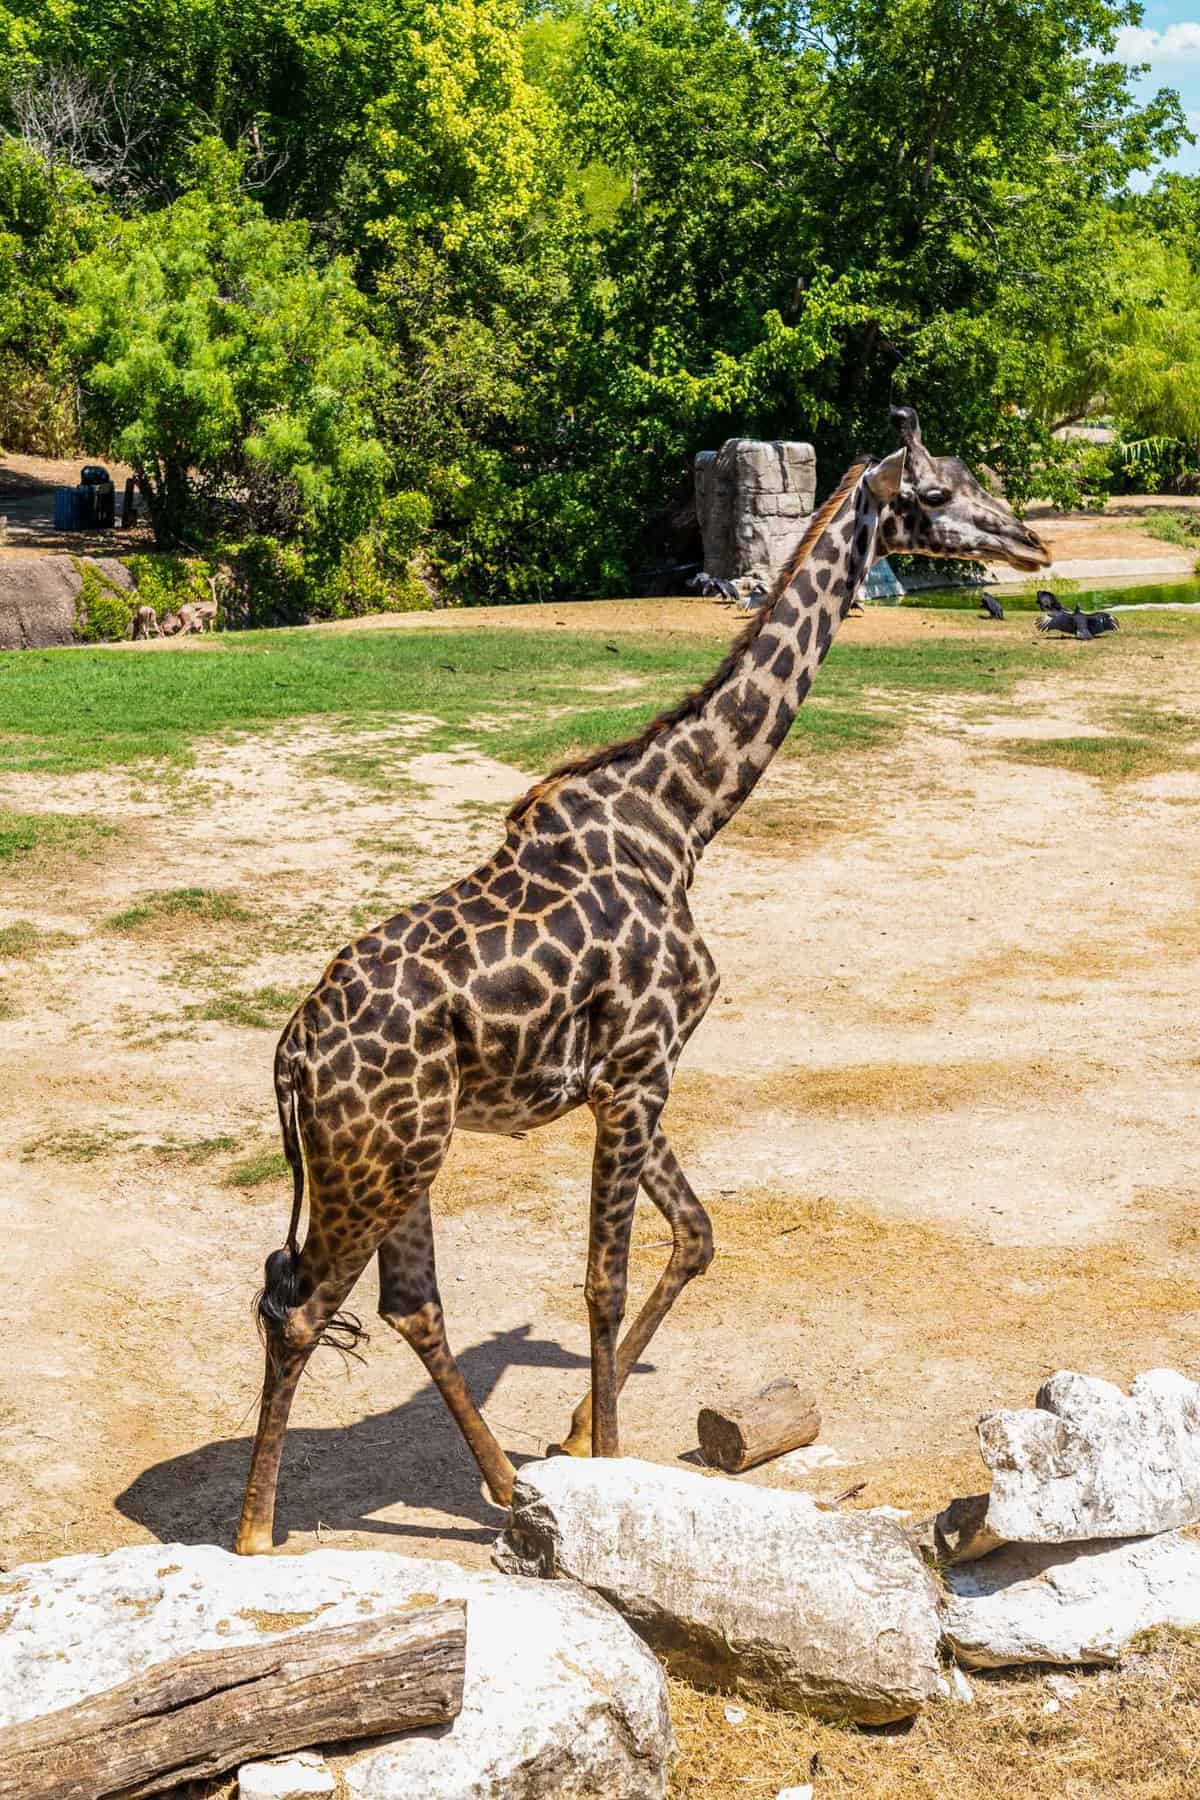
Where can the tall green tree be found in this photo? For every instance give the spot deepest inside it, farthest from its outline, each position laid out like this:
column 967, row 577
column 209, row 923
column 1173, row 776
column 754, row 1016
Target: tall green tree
column 230, row 372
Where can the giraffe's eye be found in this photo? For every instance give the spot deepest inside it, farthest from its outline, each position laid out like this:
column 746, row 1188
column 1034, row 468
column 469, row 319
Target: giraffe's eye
column 934, row 496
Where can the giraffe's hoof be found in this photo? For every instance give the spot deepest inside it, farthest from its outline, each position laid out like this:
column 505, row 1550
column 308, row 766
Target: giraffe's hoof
column 571, row 1446
column 254, row 1543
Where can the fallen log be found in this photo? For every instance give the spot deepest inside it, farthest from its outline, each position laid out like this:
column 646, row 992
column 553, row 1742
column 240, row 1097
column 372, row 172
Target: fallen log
column 744, row 1433
column 197, row 1716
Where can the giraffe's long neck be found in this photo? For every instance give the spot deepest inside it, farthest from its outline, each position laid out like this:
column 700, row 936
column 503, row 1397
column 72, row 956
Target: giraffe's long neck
column 703, row 767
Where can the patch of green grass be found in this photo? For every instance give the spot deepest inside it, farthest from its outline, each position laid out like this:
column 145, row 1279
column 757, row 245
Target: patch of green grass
column 87, row 709
column 1148, row 741
column 252, row 1171
column 203, row 905
column 514, row 695
column 73, row 1146
column 266, row 1009
column 23, row 938
column 1115, row 758
column 193, row 1151
column 1181, row 528
column 382, row 773
column 21, row 834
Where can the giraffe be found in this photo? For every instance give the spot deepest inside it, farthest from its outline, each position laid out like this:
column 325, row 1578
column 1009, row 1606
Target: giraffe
column 567, row 971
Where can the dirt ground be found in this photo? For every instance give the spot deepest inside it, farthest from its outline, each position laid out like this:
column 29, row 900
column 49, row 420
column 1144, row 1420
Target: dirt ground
column 944, row 1113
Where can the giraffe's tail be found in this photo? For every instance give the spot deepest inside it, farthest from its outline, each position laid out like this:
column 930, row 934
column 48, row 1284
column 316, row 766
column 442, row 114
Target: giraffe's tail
column 281, row 1289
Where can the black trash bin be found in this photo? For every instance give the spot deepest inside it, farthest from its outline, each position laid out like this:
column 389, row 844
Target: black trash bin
column 103, row 497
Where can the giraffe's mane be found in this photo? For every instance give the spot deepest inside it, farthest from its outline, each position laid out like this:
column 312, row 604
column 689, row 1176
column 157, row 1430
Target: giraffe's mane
column 694, row 703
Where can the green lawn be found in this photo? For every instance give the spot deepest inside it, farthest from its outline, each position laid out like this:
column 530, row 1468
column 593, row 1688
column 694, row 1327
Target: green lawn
column 528, row 697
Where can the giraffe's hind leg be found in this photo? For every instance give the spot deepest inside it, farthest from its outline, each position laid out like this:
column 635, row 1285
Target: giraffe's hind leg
column 668, row 1187
column 409, row 1301
column 300, row 1299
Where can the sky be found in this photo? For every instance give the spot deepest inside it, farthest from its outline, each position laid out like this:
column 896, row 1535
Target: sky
column 1168, row 38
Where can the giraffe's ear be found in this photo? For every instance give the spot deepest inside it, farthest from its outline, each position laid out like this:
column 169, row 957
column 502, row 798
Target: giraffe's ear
column 884, row 478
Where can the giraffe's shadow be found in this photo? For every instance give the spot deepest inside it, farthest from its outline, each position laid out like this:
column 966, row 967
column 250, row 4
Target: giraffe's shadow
column 340, row 1476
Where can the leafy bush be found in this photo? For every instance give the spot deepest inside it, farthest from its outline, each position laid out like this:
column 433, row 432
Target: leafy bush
column 103, row 611
column 265, row 583
column 168, row 582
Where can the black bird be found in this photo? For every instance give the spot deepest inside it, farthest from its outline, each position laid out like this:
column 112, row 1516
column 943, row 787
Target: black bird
column 757, row 596
column 1078, row 624
column 713, row 586
column 1046, row 601
column 991, row 606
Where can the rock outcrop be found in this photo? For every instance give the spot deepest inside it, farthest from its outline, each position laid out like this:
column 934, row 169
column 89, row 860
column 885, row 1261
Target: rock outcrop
column 38, row 594
column 560, row 1696
column 754, row 500
column 1050, row 1603
column 1086, row 1462
column 739, row 1586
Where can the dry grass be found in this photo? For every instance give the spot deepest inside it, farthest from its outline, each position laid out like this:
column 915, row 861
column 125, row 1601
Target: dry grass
column 894, row 1089
column 1134, row 1734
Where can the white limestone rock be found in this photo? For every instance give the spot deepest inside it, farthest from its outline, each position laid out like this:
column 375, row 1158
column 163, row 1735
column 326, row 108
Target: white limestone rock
column 1088, row 1461
column 1047, row 1603
column 560, row 1698
column 739, row 1586
column 304, row 1776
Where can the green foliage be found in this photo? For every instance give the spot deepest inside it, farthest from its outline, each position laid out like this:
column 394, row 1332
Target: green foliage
column 522, row 258
column 103, row 611
column 48, row 219
column 230, row 372
column 168, row 582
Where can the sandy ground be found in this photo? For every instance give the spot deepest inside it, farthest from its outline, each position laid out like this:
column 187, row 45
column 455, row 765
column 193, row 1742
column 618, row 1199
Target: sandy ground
column 944, row 1113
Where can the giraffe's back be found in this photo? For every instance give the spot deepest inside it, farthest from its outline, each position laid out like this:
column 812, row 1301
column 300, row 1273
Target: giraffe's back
column 501, row 997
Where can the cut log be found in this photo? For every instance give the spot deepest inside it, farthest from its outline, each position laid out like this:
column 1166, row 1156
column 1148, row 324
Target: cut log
column 741, row 1435
column 197, row 1716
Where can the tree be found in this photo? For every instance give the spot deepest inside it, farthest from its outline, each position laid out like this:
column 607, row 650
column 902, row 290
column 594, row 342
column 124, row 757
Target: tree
column 49, row 217
column 231, row 372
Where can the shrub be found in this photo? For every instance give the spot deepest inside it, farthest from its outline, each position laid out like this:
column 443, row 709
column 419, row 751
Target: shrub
column 103, row 611
column 265, row 583
column 168, row 582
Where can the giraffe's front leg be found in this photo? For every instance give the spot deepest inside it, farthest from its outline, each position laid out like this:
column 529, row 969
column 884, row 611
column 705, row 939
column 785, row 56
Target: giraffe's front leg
column 625, row 1128
column 692, row 1247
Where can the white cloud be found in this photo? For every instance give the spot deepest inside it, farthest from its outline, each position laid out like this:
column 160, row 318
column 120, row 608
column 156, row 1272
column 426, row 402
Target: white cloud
column 1138, row 44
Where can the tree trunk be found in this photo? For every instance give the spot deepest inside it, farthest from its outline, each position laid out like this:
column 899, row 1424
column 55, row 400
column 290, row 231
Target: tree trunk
column 747, row 1432
column 197, row 1716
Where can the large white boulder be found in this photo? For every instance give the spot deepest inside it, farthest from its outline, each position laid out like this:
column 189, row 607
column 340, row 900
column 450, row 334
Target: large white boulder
column 560, row 1698
column 304, row 1776
column 1088, row 1461
column 737, row 1585
column 1081, row 1603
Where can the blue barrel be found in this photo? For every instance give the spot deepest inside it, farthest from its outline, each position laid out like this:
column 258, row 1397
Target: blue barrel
column 75, row 509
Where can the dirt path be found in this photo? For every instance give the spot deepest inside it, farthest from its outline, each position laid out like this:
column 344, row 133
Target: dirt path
column 944, row 1112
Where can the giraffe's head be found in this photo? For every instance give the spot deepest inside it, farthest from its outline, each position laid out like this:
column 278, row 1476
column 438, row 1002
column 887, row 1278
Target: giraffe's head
column 933, row 506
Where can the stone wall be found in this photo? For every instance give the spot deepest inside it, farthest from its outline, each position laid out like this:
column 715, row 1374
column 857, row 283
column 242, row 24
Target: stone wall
column 38, row 594
column 754, row 501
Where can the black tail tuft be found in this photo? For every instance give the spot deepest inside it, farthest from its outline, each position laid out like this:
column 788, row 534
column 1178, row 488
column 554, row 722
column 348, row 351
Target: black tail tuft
column 282, row 1278
column 279, row 1292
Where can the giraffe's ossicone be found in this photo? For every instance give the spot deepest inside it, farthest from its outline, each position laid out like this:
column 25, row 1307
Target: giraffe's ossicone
column 566, row 971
